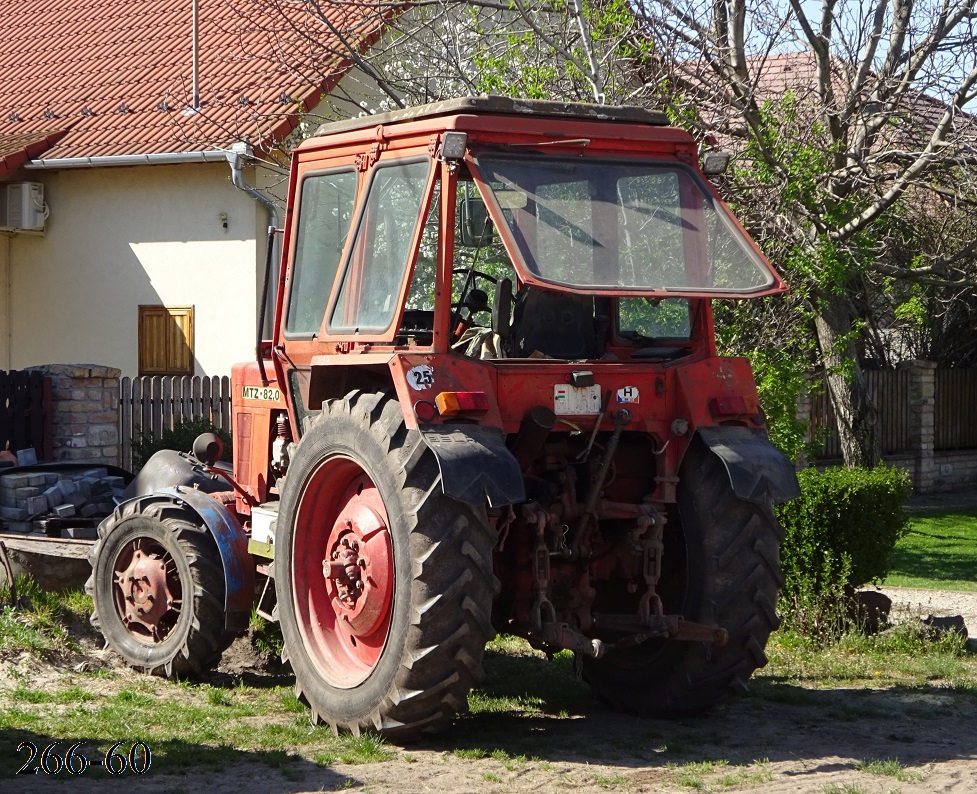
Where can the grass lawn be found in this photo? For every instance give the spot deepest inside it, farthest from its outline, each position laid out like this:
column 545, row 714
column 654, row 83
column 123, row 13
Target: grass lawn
column 939, row 553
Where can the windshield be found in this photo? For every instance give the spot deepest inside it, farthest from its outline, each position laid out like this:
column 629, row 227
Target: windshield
column 621, row 226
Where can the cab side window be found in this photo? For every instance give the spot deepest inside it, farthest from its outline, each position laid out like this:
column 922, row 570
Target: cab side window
column 325, row 214
column 368, row 298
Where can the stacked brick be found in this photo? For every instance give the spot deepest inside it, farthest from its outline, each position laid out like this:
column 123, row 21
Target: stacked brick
column 85, row 403
column 28, row 500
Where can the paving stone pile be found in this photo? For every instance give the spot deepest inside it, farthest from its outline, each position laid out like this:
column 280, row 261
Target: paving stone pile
column 28, row 499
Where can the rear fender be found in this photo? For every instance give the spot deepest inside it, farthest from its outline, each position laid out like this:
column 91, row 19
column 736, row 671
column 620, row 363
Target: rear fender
column 757, row 470
column 232, row 545
column 475, row 464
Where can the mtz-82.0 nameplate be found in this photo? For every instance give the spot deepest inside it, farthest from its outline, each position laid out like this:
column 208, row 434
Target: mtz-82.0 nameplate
column 271, row 393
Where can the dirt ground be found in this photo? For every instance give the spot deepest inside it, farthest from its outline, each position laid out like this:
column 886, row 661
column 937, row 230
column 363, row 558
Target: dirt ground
column 790, row 739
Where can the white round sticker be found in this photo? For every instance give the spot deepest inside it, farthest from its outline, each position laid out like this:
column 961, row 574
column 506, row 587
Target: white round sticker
column 421, row 377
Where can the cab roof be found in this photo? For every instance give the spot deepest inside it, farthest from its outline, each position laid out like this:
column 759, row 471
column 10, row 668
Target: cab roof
column 502, row 106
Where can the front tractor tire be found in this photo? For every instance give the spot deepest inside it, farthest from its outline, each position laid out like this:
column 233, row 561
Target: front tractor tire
column 384, row 584
column 730, row 578
column 157, row 585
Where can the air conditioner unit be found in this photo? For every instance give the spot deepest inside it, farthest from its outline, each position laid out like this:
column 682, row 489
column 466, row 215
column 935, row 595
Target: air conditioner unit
column 22, row 206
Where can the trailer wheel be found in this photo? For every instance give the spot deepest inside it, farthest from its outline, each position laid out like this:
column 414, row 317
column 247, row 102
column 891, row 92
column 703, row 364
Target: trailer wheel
column 730, row 578
column 157, row 584
column 384, row 584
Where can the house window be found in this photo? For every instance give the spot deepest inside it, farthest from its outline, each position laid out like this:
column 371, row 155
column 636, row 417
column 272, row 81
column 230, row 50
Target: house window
column 166, row 340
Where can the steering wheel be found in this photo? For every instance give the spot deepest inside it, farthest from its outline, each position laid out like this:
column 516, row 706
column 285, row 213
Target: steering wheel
column 473, row 299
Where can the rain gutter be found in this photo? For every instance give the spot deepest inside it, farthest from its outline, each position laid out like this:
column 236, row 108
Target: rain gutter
column 162, row 158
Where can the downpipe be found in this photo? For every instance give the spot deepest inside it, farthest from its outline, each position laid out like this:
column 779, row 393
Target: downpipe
column 236, row 158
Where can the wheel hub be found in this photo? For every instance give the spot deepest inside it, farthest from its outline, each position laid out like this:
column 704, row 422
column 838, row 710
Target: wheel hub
column 359, row 568
column 144, row 596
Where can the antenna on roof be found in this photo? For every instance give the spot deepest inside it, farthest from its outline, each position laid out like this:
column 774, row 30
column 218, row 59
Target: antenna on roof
column 195, row 101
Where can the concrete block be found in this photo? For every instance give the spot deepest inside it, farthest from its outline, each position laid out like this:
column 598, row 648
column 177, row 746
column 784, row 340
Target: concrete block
column 51, row 478
column 88, row 510
column 77, row 499
column 96, row 473
column 84, row 487
column 82, row 533
column 54, row 494
column 37, row 480
column 8, row 497
column 100, row 487
column 68, row 487
column 26, row 457
column 13, row 514
column 37, row 505
column 23, row 527
column 64, row 511
column 27, row 493
column 14, row 481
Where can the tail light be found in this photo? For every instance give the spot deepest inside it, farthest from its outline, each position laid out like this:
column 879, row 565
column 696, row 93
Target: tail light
column 451, row 403
column 729, row 405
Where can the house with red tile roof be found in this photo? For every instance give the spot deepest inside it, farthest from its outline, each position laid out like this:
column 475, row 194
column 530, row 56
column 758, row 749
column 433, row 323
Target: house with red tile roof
column 132, row 234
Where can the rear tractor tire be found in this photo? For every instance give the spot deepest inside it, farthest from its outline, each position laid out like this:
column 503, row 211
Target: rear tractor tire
column 384, row 584
column 731, row 578
column 157, row 584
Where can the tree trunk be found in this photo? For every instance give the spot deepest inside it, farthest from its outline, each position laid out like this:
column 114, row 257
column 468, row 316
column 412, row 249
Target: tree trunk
column 855, row 414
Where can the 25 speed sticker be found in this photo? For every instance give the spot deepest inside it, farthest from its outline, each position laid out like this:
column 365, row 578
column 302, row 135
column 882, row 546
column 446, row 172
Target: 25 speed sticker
column 117, row 760
column 421, row 377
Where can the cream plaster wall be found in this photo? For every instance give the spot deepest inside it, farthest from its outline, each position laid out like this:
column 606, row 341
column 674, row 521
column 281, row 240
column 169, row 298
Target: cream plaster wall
column 120, row 237
column 5, row 303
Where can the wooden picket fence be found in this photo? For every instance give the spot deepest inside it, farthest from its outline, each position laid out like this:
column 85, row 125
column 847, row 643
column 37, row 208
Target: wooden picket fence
column 889, row 390
column 26, row 415
column 150, row 405
column 955, row 399
column 954, row 417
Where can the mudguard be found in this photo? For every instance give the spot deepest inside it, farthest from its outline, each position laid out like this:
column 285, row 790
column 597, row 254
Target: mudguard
column 475, row 465
column 167, row 468
column 232, row 545
column 757, row 469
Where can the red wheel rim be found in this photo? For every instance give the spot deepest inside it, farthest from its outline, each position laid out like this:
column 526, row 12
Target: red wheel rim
column 342, row 566
column 146, row 590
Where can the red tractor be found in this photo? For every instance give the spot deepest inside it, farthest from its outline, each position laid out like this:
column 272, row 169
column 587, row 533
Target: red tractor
column 492, row 403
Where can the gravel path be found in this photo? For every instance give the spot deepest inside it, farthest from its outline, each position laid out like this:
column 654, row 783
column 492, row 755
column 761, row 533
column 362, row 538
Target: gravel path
column 909, row 603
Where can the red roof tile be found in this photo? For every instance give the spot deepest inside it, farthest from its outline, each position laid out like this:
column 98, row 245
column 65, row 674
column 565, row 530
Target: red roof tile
column 15, row 150
column 115, row 75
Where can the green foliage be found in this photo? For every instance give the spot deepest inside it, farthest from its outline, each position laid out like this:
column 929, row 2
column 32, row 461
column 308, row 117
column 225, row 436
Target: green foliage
column 839, row 533
column 180, row 438
column 780, row 382
column 265, row 637
column 41, row 626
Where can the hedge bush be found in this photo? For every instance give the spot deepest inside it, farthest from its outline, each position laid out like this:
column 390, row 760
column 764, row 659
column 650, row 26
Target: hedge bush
column 180, row 438
column 839, row 534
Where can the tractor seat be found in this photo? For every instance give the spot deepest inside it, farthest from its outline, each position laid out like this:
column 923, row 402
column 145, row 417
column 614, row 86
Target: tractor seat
column 556, row 324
